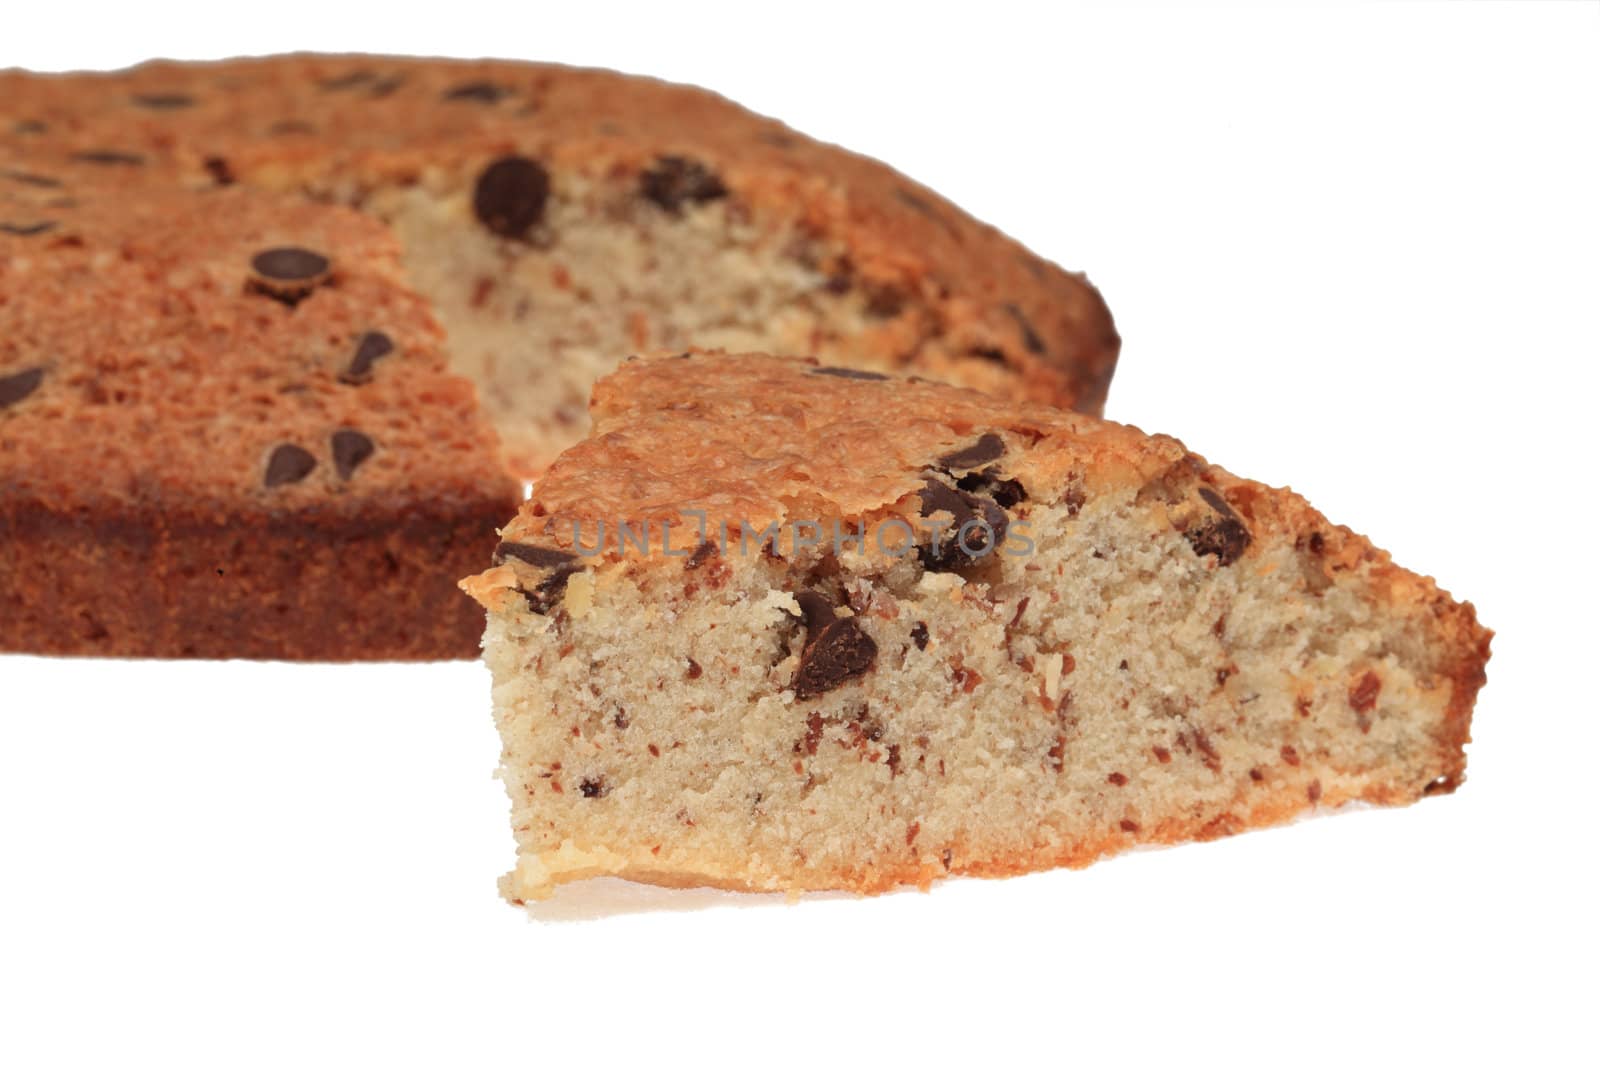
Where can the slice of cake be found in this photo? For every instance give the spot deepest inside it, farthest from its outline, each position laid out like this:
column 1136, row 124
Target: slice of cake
column 778, row 626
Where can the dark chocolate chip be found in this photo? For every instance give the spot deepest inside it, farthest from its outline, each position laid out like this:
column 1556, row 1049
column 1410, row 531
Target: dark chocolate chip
column 919, row 636
column 164, row 101
column 18, row 386
column 987, row 352
column 346, row 81
column 373, row 346
column 542, row 597
column 851, row 373
column 1225, row 537
column 28, row 229
column 481, row 92
column 109, row 158
column 287, row 464
column 978, row 527
column 510, row 196
column 533, row 555
column 985, row 449
column 593, row 787
column 817, row 610
column 1030, row 336
column 673, row 181
column 40, row 180
column 219, row 170
column 351, row 448
column 288, row 274
column 28, row 126
column 1007, row 492
column 836, row 649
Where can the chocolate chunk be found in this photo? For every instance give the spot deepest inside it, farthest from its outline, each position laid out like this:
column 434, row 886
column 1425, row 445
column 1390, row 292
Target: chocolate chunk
column 164, row 101
column 288, row 274
column 919, row 636
column 19, row 385
column 533, row 555
column 978, row 527
column 988, row 353
column 346, row 81
column 510, row 196
column 593, row 787
column 836, row 649
column 351, row 448
column 675, row 180
column 109, row 158
column 1225, row 536
column 288, row 463
column 704, row 551
column 28, row 229
column 1007, row 492
column 1030, row 337
column 481, row 92
column 219, row 170
column 851, row 373
column 373, row 346
column 542, row 597
column 985, row 449
column 40, row 180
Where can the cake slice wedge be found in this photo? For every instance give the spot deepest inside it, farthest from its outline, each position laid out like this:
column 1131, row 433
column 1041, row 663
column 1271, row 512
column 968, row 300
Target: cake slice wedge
column 778, row 626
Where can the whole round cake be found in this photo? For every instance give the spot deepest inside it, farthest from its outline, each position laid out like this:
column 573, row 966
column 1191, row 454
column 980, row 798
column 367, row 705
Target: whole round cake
column 244, row 307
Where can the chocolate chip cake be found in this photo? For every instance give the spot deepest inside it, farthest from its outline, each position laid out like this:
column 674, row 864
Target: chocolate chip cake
column 554, row 219
column 778, row 626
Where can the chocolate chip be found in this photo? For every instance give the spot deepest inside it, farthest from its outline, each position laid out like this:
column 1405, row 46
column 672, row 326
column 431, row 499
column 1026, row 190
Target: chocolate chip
column 836, row 649
column 510, row 196
column 164, row 101
column 1225, row 537
column 219, row 170
column 919, row 636
column 978, row 527
column 28, row 229
column 40, row 180
column 985, row 449
column 851, row 373
column 1030, row 337
column 351, row 448
column 542, row 597
column 346, row 81
column 18, row 386
column 481, row 92
column 988, row 353
column 1007, row 492
column 288, row 274
column 373, row 346
column 593, row 787
column 288, row 463
column 704, row 551
column 386, row 86
column 673, row 181
column 109, row 158
column 533, row 555
column 28, row 126
column 915, row 202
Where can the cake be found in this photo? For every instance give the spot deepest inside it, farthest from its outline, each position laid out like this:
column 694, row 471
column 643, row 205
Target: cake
column 556, row 218
column 776, row 625
column 262, row 321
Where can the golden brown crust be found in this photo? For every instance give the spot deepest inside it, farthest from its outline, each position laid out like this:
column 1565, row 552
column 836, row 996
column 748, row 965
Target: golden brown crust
column 195, row 471
column 339, row 126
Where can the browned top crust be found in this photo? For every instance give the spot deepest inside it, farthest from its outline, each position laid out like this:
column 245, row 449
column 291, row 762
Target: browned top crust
column 335, row 127
column 169, row 369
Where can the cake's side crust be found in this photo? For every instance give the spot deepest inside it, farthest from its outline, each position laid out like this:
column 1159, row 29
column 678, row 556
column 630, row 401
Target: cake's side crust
column 152, row 583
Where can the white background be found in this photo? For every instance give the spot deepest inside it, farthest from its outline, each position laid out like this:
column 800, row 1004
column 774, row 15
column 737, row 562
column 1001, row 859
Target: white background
column 1351, row 249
